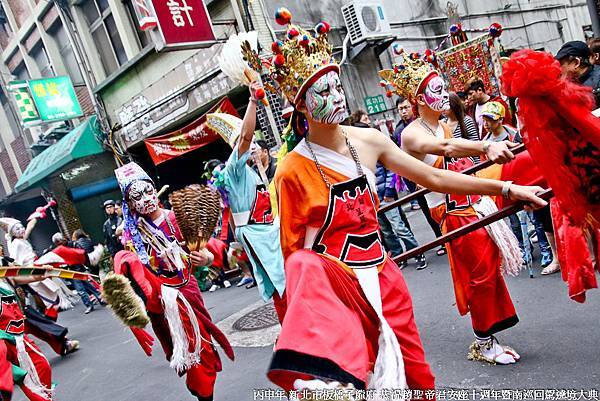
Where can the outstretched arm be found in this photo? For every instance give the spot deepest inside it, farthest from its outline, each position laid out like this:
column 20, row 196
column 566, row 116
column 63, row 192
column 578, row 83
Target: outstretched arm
column 30, row 226
column 249, row 122
column 414, row 141
column 448, row 181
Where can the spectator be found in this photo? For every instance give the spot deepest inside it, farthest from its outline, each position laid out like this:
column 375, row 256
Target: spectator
column 269, row 163
column 594, row 45
column 574, row 58
column 493, row 115
column 119, row 209
column 462, row 126
column 392, row 225
column 110, row 228
column 84, row 288
column 478, row 97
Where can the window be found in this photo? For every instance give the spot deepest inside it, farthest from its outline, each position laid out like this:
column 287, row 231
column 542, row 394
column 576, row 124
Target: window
column 38, row 53
column 21, row 72
column 5, row 30
column 143, row 37
column 104, row 33
column 10, row 115
column 59, row 34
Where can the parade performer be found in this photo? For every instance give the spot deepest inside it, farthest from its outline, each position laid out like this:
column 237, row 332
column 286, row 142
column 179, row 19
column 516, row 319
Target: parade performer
column 248, row 198
column 21, row 350
column 477, row 260
column 563, row 137
column 159, row 268
column 338, row 274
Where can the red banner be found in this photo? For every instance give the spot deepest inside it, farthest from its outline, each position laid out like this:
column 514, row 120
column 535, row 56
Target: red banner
column 183, row 21
column 191, row 137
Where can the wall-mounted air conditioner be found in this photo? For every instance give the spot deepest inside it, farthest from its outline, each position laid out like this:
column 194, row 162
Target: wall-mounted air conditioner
column 365, row 20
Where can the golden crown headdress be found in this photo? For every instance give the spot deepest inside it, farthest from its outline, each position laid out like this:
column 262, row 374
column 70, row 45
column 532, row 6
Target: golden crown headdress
column 301, row 58
column 407, row 78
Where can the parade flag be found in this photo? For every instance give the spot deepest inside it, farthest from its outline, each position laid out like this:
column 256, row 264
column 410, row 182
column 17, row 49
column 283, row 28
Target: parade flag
column 191, row 137
column 46, row 271
column 476, row 58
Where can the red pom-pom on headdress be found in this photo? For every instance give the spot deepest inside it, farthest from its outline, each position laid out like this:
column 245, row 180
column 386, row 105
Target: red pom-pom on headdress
column 322, row 28
column 283, row 16
column 276, row 46
column 279, row 60
column 495, row 30
column 292, row 33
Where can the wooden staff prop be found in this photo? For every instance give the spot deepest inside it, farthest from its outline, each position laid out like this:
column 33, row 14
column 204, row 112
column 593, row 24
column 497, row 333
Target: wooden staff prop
column 43, row 270
column 489, row 219
column 471, row 170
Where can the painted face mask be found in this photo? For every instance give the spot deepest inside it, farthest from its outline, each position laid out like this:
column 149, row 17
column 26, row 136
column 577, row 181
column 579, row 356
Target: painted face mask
column 325, row 100
column 436, row 96
column 17, row 231
column 143, row 198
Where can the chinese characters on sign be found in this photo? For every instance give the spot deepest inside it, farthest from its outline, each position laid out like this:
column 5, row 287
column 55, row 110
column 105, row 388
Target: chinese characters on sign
column 375, row 104
column 55, row 98
column 183, row 22
column 27, row 111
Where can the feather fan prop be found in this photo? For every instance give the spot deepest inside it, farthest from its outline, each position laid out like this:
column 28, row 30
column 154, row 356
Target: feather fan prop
column 125, row 303
column 239, row 61
column 197, row 209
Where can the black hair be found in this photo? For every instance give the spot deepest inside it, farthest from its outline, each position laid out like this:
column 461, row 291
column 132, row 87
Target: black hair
column 458, row 108
column 211, row 164
column 79, row 233
column 399, row 101
column 118, row 203
column 475, row 85
column 262, row 144
column 357, row 115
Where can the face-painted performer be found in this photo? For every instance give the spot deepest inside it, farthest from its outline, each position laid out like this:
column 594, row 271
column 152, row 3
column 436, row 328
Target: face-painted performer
column 249, row 200
column 159, row 266
column 475, row 259
column 21, row 351
column 337, row 272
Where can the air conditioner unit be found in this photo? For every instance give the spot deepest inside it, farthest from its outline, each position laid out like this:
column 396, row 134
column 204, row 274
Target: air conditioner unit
column 365, row 20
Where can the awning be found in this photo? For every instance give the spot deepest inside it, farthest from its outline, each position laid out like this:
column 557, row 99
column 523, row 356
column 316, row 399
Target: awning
column 78, row 143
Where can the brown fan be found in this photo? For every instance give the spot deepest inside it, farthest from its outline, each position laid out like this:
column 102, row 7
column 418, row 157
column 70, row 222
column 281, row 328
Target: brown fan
column 197, row 209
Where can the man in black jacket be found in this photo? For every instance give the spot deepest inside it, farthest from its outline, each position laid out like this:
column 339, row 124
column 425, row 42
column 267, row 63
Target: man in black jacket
column 110, row 227
column 574, row 58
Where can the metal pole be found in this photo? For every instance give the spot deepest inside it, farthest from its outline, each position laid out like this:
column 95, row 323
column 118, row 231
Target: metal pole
column 594, row 9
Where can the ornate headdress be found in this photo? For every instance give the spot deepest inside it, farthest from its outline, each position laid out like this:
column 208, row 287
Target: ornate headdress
column 409, row 77
column 127, row 175
column 300, row 59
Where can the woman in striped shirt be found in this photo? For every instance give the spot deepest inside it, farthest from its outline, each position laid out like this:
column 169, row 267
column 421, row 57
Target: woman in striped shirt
column 462, row 125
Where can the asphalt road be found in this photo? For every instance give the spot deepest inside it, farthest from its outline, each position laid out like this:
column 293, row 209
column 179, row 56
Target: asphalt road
column 557, row 339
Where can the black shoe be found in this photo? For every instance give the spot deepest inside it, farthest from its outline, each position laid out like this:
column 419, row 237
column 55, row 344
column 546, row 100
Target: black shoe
column 89, row 309
column 421, row 262
column 251, row 285
column 403, row 264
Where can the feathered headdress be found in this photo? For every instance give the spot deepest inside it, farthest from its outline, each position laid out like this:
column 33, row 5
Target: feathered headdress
column 300, row 59
column 409, row 77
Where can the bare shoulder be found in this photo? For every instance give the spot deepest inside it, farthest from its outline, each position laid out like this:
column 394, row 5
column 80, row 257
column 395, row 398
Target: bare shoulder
column 370, row 136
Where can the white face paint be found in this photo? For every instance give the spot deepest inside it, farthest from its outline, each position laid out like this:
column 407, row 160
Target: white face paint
column 436, row 96
column 325, row 100
column 142, row 197
column 17, row 231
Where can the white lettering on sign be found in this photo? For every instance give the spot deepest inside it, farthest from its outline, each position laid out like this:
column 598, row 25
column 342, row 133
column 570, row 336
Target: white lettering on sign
column 177, row 9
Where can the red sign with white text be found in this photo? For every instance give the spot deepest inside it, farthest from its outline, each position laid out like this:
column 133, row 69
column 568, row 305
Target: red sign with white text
column 183, row 21
column 191, row 137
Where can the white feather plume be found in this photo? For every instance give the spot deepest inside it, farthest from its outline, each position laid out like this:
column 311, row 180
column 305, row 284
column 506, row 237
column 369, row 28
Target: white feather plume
column 232, row 61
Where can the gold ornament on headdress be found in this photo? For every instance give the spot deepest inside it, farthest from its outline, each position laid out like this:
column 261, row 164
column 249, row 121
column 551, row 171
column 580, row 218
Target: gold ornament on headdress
column 406, row 78
column 300, row 58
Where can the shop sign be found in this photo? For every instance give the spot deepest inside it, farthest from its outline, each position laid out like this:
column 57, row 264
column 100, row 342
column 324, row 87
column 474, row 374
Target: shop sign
column 55, row 98
column 189, row 86
column 375, row 104
column 191, row 137
column 183, row 22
